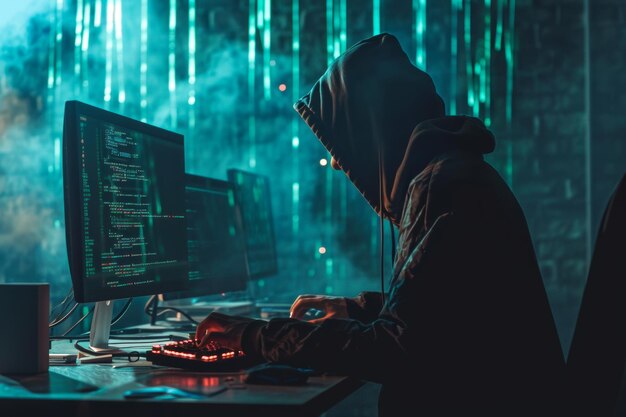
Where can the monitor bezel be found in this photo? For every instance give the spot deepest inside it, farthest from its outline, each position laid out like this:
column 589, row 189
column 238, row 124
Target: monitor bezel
column 231, row 173
column 196, row 292
column 72, row 194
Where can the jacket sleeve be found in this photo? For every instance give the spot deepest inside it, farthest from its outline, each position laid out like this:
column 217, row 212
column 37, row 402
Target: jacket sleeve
column 365, row 307
column 420, row 317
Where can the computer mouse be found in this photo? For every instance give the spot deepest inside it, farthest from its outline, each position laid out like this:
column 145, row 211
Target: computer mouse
column 278, row 374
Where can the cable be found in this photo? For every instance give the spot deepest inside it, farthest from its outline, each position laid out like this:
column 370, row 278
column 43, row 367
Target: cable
column 122, row 311
column 62, row 304
column 156, row 311
column 79, row 321
column 61, row 320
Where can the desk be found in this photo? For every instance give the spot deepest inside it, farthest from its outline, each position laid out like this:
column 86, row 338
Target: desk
column 97, row 390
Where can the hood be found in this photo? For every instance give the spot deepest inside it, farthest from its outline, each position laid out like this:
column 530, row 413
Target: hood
column 369, row 111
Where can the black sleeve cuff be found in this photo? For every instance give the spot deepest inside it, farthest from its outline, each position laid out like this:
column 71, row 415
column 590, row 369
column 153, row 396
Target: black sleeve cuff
column 251, row 340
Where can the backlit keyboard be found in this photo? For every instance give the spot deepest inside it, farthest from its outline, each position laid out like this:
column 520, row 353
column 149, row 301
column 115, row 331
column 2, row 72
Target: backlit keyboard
column 187, row 355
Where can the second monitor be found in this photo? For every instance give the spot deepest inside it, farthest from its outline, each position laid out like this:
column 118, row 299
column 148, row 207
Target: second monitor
column 215, row 242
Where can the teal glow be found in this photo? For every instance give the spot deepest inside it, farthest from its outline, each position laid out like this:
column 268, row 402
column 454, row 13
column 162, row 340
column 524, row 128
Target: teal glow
column 78, row 38
column 486, row 88
column 59, row 42
column 336, row 30
column 51, row 62
column 454, row 48
column 329, row 272
column 110, row 10
column 251, row 82
column 375, row 17
column 267, row 43
column 143, row 62
column 191, row 100
column 467, row 37
column 57, row 154
column 419, row 24
column 172, row 63
column 329, row 31
column 295, row 198
column 343, row 12
column 510, row 39
column 119, row 44
column 85, row 45
column 499, row 25
column 295, row 123
column 97, row 18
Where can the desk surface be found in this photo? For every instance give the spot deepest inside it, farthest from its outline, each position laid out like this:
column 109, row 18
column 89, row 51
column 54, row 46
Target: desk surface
column 97, row 389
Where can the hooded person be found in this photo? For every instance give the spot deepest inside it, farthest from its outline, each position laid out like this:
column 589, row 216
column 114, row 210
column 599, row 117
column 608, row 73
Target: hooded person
column 466, row 327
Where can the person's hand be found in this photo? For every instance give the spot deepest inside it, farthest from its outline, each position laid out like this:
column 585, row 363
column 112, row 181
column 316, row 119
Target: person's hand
column 223, row 329
column 335, row 307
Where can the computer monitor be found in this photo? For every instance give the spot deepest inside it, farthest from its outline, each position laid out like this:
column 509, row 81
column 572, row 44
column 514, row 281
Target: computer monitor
column 124, row 210
column 215, row 241
column 253, row 197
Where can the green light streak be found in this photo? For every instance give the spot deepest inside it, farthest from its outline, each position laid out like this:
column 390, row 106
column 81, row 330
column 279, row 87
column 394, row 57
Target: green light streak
column 59, row 42
column 336, row 30
column 97, row 18
column 251, row 82
column 192, row 64
column 119, row 45
column 329, row 272
column 57, row 154
column 343, row 29
column 318, row 255
column 329, row 31
column 143, row 62
column 267, row 43
column 467, row 37
column 499, row 25
column 85, row 45
column 419, row 15
column 295, row 93
column 78, row 39
column 454, row 48
column 375, row 17
column 110, row 10
column 510, row 39
column 295, row 198
column 172, row 63
column 51, row 62
column 487, row 64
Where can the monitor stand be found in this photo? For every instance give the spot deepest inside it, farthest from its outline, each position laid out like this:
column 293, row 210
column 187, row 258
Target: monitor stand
column 101, row 328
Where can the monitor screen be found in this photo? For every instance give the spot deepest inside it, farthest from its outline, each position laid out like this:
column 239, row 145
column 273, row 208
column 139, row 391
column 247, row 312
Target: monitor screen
column 215, row 241
column 124, row 205
column 253, row 197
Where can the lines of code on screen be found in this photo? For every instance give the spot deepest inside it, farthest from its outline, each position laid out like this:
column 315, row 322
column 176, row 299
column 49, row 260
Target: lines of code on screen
column 217, row 260
column 254, row 199
column 133, row 207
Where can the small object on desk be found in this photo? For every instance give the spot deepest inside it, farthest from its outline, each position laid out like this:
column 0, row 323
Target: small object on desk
column 278, row 374
column 108, row 358
column 155, row 392
column 62, row 358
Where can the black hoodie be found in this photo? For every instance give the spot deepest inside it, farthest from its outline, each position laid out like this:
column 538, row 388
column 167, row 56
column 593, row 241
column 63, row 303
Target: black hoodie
column 467, row 320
